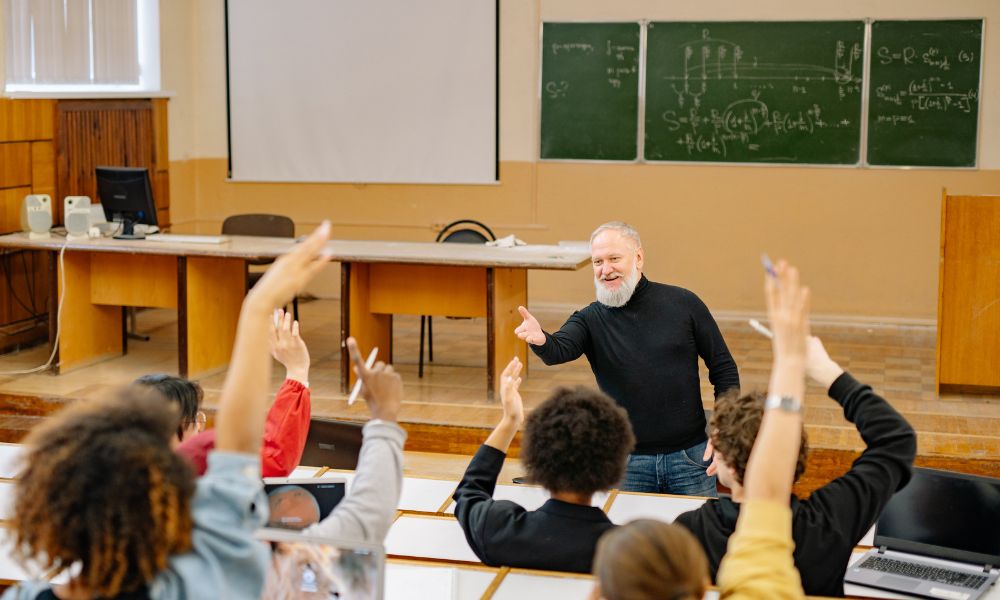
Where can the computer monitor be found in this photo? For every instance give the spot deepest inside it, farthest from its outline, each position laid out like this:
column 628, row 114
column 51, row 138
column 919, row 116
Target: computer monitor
column 126, row 196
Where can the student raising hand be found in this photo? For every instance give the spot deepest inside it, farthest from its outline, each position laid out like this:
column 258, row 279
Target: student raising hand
column 243, row 402
column 513, row 407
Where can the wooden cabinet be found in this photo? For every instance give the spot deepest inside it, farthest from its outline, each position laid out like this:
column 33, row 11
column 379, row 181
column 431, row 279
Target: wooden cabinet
column 968, row 340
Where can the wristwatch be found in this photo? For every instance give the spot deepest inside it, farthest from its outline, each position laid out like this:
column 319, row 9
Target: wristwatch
column 789, row 404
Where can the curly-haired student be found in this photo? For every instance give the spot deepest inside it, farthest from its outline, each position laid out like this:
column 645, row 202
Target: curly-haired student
column 105, row 497
column 575, row 444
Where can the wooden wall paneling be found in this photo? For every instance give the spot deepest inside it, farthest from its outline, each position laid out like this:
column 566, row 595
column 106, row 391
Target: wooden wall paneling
column 10, row 208
column 26, row 294
column 161, row 162
column 969, row 349
column 93, row 133
column 26, row 120
column 15, row 164
column 43, row 169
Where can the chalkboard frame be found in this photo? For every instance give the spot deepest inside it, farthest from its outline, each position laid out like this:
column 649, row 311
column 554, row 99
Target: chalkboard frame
column 858, row 164
column 979, row 112
column 641, row 79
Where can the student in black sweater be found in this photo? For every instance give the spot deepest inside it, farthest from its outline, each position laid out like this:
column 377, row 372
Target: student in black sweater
column 827, row 525
column 575, row 444
column 643, row 340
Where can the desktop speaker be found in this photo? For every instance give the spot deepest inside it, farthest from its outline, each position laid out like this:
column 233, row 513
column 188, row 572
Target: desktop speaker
column 36, row 215
column 76, row 213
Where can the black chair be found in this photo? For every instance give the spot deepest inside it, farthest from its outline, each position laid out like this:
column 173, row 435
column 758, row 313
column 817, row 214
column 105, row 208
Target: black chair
column 261, row 225
column 463, row 231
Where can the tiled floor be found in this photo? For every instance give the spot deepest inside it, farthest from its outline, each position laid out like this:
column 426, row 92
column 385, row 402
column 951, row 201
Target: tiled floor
column 897, row 361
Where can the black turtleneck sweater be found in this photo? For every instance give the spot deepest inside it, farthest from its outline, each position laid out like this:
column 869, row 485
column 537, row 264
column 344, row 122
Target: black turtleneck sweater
column 645, row 355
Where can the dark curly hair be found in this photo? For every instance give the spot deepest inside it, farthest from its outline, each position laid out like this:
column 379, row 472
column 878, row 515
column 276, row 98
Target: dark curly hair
column 185, row 393
column 102, row 487
column 735, row 422
column 577, row 441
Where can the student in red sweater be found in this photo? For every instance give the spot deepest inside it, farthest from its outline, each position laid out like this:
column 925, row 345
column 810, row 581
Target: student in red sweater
column 287, row 421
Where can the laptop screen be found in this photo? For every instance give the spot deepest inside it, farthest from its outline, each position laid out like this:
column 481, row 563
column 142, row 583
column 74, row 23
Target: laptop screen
column 943, row 514
column 312, row 568
column 299, row 503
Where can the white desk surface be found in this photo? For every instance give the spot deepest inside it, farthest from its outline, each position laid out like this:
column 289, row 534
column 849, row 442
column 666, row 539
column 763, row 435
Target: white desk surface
column 10, row 457
column 425, row 495
column 378, row 251
column 518, row 585
column 6, row 500
column 629, row 506
column 441, row 582
column 861, row 591
column 531, row 497
column 303, row 472
column 428, row 537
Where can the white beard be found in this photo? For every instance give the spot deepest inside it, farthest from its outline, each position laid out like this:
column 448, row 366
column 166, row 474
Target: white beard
column 618, row 297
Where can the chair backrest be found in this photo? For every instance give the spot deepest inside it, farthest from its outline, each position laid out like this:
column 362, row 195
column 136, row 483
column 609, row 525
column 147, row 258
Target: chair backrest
column 260, row 225
column 454, row 234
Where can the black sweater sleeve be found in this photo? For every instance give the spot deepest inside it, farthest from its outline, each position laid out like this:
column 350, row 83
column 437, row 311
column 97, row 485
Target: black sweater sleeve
column 475, row 507
column 722, row 371
column 853, row 502
column 566, row 344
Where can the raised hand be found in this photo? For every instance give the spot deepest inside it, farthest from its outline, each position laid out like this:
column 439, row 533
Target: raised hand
column 381, row 386
column 788, row 310
column 529, row 330
column 291, row 272
column 819, row 366
column 510, row 396
column 288, row 348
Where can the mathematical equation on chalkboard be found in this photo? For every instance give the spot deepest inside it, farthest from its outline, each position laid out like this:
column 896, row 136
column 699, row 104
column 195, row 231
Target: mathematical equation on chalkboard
column 763, row 91
column 934, row 93
column 711, row 62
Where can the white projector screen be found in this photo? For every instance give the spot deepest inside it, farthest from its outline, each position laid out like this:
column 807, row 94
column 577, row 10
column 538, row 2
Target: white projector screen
column 368, row 91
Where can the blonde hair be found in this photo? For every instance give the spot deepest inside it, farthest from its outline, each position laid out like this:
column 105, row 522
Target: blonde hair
column 651, row 560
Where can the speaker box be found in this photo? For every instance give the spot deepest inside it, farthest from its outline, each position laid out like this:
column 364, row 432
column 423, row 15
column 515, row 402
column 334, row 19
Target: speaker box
column 76, row 214
column 36, row 215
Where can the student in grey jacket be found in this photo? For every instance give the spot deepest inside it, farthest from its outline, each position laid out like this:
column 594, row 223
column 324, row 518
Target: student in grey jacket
column 367, row 512
column 103, row 492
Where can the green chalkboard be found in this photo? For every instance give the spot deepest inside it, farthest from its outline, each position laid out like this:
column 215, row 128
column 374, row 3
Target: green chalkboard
column 590, row 91
column 755, row 92
column 923, row 100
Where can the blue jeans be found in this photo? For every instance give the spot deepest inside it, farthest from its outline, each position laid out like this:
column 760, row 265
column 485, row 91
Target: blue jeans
column 681, row 472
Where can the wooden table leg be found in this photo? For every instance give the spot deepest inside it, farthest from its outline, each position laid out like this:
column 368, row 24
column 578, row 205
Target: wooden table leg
column 210, row 293
column 357, row 321
column 87, row 332
column 506, row 289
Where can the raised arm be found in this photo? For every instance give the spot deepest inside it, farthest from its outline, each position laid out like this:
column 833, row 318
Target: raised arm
column 758, row 562
column 367, row 511
column 244, row 398
column 287, row 425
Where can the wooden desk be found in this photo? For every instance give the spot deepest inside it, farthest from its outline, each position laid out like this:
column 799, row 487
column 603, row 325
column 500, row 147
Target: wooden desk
column 204, row 282
column 379, row 279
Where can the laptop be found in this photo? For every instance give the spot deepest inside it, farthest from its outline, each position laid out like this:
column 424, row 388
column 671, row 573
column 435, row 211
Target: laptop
column 299, row 503
column 305, row 567
column 334, row 444
column 939, row 537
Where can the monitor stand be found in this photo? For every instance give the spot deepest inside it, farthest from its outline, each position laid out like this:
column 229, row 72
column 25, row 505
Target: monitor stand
column 128, row 231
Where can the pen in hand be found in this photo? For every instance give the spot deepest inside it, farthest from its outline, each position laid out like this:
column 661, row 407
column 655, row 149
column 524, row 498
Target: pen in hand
column 357, row 384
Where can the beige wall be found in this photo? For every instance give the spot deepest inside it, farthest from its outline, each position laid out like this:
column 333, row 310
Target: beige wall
column 867, row 239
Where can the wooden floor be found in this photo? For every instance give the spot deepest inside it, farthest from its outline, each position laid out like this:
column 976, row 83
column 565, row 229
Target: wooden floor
column 897, row 361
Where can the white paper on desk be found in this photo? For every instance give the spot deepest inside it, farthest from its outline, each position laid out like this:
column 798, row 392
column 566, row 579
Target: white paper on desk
column 507, row 242
column 403, row 582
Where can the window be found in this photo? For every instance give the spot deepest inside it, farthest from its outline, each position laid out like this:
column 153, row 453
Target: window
column 82, row 45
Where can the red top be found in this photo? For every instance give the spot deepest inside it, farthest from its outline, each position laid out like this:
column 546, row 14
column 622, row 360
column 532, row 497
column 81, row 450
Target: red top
column 284, row 434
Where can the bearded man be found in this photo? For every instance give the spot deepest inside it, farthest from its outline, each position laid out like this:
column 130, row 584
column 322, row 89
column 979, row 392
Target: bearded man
column 643, row 340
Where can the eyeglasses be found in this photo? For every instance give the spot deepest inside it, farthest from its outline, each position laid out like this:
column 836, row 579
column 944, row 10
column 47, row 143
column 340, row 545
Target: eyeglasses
column 200, row 421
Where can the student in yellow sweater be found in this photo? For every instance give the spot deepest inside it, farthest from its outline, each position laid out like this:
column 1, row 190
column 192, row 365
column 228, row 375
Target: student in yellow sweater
column 650, row 559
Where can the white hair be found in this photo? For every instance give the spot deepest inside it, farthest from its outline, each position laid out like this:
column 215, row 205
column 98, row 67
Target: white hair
column 622, row 228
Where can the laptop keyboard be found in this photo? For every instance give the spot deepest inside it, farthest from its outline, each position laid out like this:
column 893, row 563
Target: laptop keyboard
column 922, row 571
